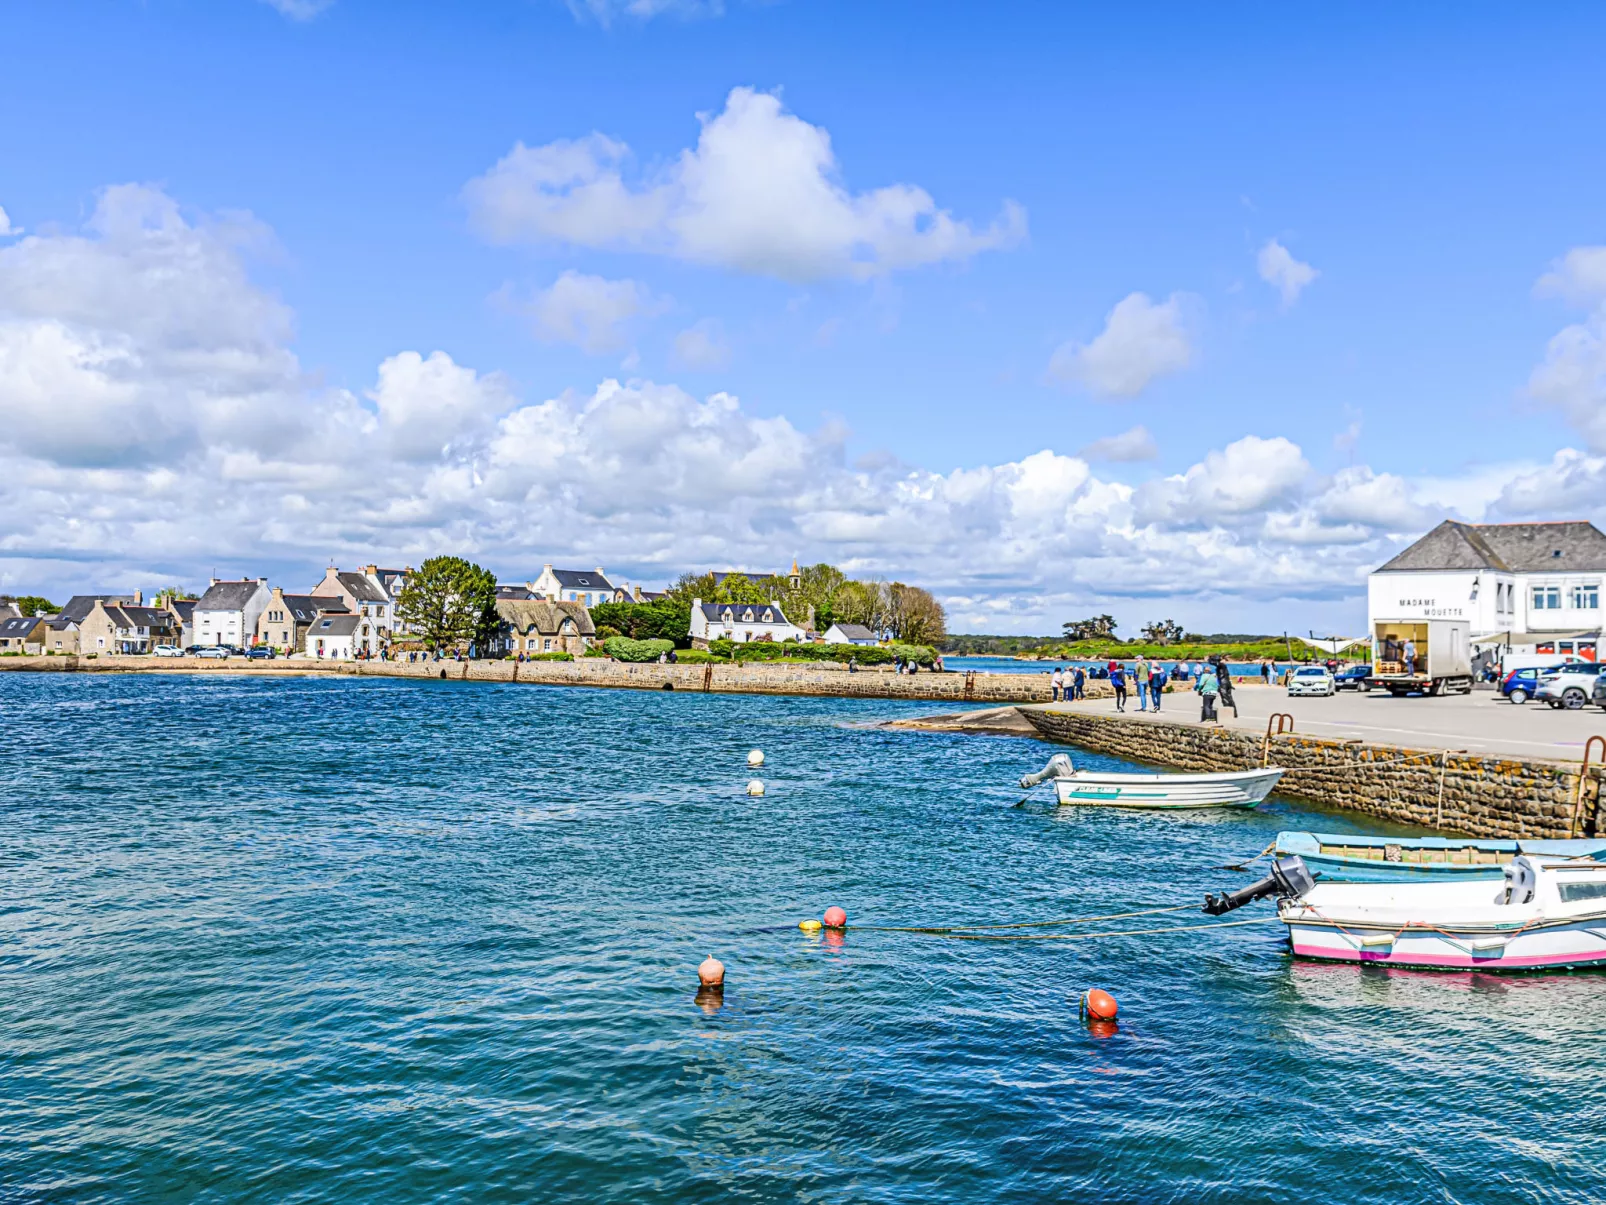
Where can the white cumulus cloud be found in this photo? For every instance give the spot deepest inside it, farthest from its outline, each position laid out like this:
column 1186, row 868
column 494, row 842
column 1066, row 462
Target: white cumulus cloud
column 590, row 312
column 1141, row 340
column 1283, row 272
column 1133, row 444
column 760, row 193
column 702, row 346
column 1580, row 275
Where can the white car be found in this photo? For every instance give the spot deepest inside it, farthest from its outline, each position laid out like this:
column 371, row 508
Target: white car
column 1312, row 680
column 168, row 650
column 1568, row 686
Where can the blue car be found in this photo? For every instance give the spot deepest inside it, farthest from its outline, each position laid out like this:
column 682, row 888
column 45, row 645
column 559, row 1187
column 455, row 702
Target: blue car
column 1520, row 684
column 1353, row 677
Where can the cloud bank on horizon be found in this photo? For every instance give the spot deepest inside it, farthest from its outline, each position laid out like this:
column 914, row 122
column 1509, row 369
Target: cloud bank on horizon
column 159, row 423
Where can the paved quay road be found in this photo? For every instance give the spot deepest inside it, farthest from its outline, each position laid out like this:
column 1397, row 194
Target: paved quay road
column 1481, row 722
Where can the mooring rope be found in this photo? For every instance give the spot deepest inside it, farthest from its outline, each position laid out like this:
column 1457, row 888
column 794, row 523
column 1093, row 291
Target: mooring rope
column 942, row 930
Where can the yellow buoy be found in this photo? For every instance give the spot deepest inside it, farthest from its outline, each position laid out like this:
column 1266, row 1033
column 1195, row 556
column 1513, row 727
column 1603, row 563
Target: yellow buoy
column 756, row 758
column 756, row 787
column 809, row 926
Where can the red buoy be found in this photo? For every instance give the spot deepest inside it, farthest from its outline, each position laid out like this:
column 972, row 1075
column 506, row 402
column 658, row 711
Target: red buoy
column 1099, row 1005
column 835, row 918
column 711, row 972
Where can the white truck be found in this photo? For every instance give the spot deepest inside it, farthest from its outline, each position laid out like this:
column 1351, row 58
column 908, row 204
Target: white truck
column 1442, row 659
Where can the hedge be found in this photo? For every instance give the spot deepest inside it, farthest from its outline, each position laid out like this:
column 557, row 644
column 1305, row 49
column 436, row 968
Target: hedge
column 622, row 648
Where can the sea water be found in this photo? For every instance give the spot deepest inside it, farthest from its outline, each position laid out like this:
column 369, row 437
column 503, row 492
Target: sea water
column 388, row 941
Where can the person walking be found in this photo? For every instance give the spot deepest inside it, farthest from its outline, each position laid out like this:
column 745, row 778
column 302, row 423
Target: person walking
column 1081, row 682
column 1142, row 673
column 1206, row 686
column 1056, row 683
column 1408, row 655
column 1157, row 681
column 1265, row 672
column 1118, row 681
column 1224, row 685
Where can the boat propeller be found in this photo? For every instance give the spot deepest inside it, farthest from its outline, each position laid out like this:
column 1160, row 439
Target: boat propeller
column 1289, row 879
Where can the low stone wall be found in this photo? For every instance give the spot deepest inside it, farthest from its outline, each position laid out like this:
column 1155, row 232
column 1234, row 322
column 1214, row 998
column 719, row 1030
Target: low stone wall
column 770, row 678
column 1460, row 793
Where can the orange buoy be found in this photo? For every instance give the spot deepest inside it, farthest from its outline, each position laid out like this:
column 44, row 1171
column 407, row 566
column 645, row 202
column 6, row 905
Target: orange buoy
column 835, row 918
column 1099, row 1005
column 711, row 972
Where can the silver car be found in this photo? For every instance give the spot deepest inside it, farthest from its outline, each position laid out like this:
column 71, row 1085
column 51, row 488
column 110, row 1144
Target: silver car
column 1568, row 686
column 1312, row 680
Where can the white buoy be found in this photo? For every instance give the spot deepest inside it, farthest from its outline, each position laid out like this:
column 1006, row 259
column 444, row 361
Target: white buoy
column 756, row 787
column 755, row 759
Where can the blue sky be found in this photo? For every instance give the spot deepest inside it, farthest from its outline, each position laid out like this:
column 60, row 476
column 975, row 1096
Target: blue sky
column 881, row 389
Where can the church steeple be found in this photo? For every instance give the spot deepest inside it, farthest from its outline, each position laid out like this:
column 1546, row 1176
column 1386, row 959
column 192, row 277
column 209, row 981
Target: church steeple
column 796, row 577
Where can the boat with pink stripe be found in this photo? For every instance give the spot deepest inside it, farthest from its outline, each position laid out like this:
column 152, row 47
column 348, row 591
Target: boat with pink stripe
column 1546, row 913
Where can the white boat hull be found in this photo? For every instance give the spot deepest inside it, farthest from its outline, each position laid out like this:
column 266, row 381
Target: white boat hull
column 1455, row 925
column 1234, row 789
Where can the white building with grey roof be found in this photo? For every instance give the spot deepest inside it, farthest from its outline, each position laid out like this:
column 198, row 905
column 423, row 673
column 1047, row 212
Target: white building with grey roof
column 1530, row 586
column 586, row 586
column 228, row 612
column 740, row 622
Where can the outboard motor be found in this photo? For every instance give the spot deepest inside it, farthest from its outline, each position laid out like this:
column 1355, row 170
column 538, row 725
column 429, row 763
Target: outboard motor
column 1289, row 879
column 1059, row 766
column 1522, row 880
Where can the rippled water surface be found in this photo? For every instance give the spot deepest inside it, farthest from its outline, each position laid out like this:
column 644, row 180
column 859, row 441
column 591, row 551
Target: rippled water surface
column 399, row 941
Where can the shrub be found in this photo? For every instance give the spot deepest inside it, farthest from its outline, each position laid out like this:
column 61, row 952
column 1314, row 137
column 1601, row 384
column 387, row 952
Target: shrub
column 696, row 657
column 622, row 648
column 549, row 656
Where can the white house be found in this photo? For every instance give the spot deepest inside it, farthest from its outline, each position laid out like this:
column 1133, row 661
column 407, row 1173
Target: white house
column 339, row 637
column 850, row 633
column 740, row 622
column 228, row 612
column 586, row 586
column 370, row 592
column 1524, row 586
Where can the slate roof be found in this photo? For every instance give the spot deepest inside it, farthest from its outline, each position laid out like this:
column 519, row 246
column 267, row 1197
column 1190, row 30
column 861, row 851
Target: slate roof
column 227, row 596
column 1507, row 547
column 338, row 623
column 140, row 617
column 517, row 593
column 581, row 579
column 19, row 627
column 544, row 616
column 307, row 607
column 362, row 588
column 80, row 605
column 745, row 612
column 184, row 608
column 855, row 631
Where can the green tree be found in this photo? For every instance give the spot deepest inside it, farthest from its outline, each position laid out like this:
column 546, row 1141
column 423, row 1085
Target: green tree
column 663, row 619
column 450, row 602
column 32, row 604
column 916, row 616
column 1099, row 627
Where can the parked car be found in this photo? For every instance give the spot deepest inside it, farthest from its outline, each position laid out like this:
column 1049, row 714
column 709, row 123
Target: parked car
column 1570, row 686
column 1353, row 677
column 215, row 652
column 168, row 650
column 1600, row 691
column 1312, row 680
column 260, row 652
column 1520, row 685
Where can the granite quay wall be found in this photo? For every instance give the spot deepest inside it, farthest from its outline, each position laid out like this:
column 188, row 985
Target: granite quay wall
column 1460, row 793
column 770, row 678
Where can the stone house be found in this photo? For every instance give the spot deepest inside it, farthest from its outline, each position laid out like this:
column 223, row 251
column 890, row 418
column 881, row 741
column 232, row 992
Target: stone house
column 585, row 586
column 371, row 593
column 123, row 629
column 740, row 622
column 23, row 634
column 287, row 618
column 62, row 636
column 542, row 626
column 228, row 612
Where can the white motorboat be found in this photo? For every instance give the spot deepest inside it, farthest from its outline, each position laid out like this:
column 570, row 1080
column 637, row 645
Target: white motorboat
column 1231, row 789
column 1548, row 913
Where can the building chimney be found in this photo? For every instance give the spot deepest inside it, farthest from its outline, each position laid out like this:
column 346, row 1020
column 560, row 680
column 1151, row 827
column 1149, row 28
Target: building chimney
column 139, row 598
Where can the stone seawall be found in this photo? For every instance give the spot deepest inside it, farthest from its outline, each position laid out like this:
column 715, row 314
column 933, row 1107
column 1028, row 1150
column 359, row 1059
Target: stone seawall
column 1476, row 796
column 770, row 678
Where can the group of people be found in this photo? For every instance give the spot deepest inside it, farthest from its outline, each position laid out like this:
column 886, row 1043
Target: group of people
column 1212, row 681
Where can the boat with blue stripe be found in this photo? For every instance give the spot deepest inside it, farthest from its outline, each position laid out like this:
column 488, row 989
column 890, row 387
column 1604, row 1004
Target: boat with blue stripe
column 1367, row 858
